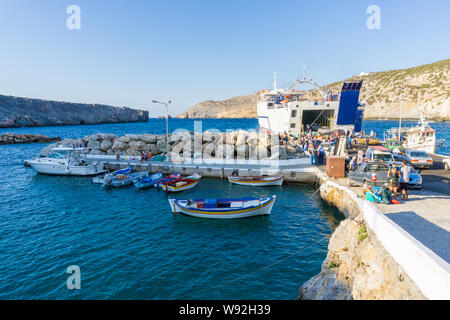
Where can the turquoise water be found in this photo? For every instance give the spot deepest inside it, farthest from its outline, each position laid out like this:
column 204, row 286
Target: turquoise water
column 130, row 246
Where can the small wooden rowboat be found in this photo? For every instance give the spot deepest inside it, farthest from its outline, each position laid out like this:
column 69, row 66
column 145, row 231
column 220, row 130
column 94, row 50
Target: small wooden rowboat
column 172, row 177
column 148, row 182
column 182, row 184
column 260, row 181
column 223, row 208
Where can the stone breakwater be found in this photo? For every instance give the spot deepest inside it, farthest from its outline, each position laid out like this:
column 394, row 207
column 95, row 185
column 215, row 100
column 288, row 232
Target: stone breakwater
column 230, row 145
column 357, row 266
column 26, row 112
column 14, row 138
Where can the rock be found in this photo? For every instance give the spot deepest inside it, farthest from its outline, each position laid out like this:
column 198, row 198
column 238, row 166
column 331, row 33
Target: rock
column 106, row 136
column 209, row 151
column 96, row 152
column 226, row 151
column 161, row 145
column 118, row 145
column 137, row 145
column 132, row 152
column 131, row 137
column 10, row 138
column 106, row 145
column 147, row 138
column 357, row 265
column 94, row 137
column 325, row 286
column 19, row 112
column 93, row 144
column 241, row 138
column 242, row 152
column 124, row 139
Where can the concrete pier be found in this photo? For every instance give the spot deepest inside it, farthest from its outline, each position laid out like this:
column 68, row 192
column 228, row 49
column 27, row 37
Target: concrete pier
column 408, row 248
column 293, row 170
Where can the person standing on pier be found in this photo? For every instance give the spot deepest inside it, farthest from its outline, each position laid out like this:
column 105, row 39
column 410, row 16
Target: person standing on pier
column 404, row 179
column 393, row 177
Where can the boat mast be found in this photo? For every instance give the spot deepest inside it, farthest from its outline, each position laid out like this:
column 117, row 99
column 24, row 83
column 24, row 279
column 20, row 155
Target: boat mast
column 275, row 81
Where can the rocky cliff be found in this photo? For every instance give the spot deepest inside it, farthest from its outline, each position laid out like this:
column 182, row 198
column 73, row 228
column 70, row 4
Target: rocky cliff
column 25, row 112
column 357, row 265
column 420, row 89
column 236, row 107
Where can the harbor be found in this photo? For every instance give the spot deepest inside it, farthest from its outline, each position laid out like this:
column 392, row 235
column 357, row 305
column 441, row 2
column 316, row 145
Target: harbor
column 419, row 224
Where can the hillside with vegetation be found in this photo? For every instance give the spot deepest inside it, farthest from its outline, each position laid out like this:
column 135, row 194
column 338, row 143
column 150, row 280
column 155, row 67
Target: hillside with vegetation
column 423, row 89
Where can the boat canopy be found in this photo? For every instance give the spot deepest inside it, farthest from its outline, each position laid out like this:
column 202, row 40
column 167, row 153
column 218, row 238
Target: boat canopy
column 69, row 149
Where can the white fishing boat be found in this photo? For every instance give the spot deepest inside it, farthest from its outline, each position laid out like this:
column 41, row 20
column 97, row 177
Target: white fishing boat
column 66, row 162
column 285, row 110
column 223, row 208
column 421, row 137
column 257, row 181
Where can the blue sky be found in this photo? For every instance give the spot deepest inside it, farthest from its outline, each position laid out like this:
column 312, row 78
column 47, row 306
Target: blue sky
column 130, row 52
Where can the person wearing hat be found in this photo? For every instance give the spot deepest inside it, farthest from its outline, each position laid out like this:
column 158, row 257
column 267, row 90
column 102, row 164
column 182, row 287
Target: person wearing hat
column 393, row 177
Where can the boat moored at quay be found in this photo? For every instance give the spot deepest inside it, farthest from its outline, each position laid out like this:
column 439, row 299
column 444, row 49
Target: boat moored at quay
column 223, row 208
column 285, row 110
column 66, row 162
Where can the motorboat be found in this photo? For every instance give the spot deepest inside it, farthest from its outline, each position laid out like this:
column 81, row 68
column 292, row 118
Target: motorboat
column 223, row 208
column 147, row 182
column 257, row 181
column 66, row 162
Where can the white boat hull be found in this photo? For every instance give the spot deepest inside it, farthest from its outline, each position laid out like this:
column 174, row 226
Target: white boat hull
column 263, row 209
column 274, row 181
column 63, row 170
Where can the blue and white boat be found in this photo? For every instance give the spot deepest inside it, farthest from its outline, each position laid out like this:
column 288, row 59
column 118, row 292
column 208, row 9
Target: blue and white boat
column 111, row 175
column 223, row 208
column 148, row 182
column 122, row 180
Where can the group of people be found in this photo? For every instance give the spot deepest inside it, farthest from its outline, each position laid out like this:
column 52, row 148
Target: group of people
column 145, row 156
column 398, row 179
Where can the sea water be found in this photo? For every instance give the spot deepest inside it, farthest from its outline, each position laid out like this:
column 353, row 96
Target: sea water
column 128, row 245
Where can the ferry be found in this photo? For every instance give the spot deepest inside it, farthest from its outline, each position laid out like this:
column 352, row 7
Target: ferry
column 285, row 110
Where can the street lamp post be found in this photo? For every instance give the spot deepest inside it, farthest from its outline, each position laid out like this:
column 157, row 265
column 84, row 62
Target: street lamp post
column 167, row 126
column 400, row 124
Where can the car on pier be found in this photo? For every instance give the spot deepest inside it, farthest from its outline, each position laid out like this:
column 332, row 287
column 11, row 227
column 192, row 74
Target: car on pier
column 417, row 159
column 367, row 174
column 446, row 163
column 379, row 154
